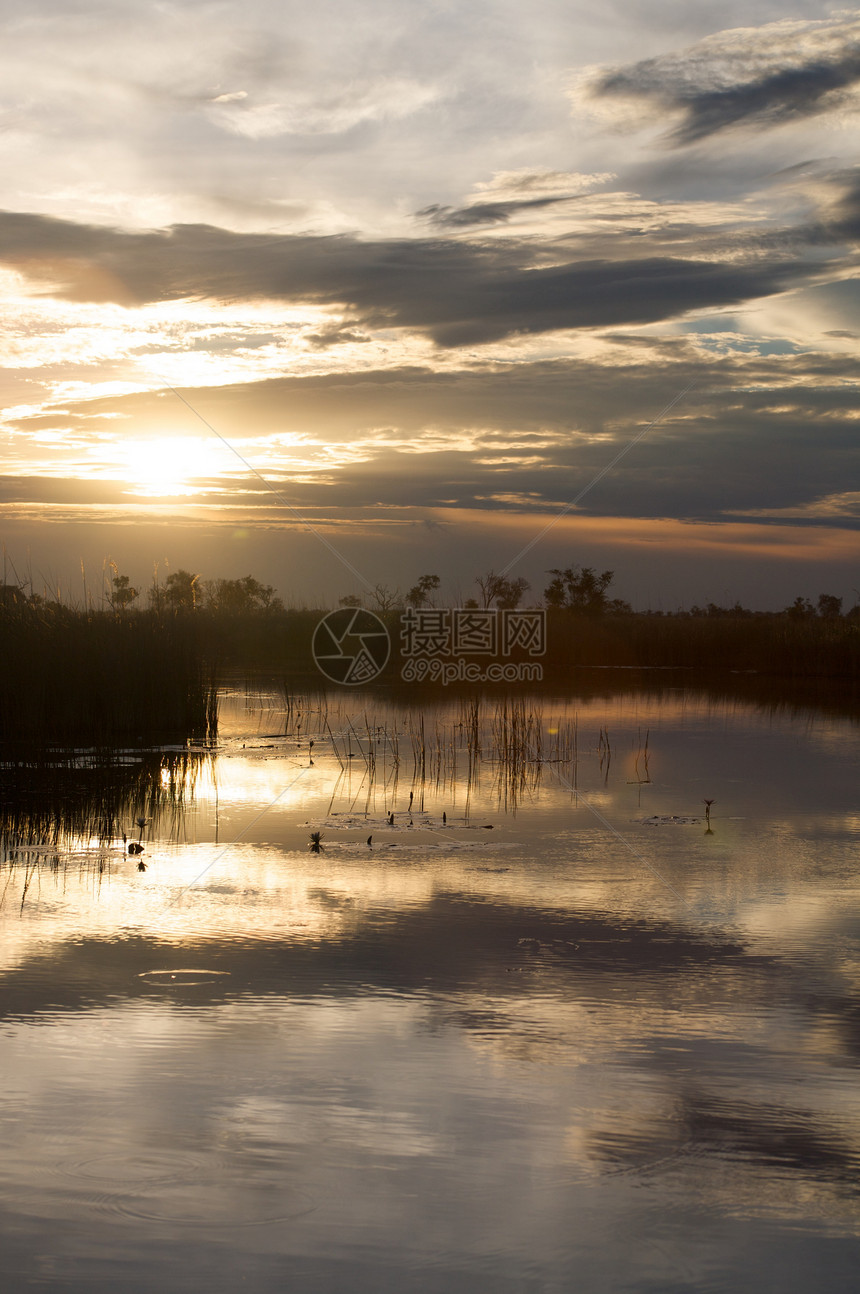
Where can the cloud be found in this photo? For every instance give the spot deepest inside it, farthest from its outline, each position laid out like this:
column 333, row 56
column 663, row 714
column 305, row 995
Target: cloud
column 339, row 334
column 529, row 182
column 179, row 114
column 309, row 112
column 455, row 292
column 47, row 490
column 482, row 213
column 511, row 192
column 519, row 438
column 763, row 77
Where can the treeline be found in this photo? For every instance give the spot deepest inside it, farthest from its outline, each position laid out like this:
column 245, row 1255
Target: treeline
column 588, row 629
column 143, row 668
column 580, row 590
column 183, row 591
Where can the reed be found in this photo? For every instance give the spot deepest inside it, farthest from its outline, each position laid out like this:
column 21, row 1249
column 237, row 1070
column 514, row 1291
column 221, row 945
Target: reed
column 78, row 677
column 48, row 802
column 279, row 642
column 65, row 815
column 776, row 645
column 508, row 737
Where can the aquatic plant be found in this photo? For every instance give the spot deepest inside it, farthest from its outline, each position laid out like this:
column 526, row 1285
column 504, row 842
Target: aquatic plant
column 68, row 809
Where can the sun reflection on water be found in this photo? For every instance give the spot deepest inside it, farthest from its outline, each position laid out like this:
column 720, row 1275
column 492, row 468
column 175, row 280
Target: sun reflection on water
column 499, row 1008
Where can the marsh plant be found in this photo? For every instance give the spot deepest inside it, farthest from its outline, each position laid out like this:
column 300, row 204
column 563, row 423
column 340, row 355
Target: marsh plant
column 76, row 809
column 78, row 677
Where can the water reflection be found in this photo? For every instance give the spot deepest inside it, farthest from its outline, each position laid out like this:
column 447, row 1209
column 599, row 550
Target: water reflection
column 65, row 796
column 458, row 1058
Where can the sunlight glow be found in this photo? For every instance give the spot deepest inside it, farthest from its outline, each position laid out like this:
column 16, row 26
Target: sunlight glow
column 166, row 466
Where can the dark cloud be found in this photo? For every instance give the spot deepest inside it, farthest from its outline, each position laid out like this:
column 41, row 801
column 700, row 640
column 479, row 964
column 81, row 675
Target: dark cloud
column 764, row 77
column 483, row 213
column 337, row 335
column 842, row 215
column 456, row 293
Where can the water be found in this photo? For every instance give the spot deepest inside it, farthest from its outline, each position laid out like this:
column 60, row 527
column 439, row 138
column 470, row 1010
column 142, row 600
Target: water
column 549, row 1044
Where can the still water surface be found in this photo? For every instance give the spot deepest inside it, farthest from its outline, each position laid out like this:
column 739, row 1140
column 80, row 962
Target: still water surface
column 567, row 1038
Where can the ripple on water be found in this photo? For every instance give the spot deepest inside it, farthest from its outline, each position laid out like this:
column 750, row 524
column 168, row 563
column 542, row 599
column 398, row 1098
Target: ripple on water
column 225, row 1200
column 182, row 977
column 185, row 1189
column 149, row 1169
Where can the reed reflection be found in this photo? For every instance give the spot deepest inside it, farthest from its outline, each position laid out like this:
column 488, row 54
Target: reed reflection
column 82, row 810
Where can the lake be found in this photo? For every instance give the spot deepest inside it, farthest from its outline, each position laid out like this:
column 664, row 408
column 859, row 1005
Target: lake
column 550, row 1028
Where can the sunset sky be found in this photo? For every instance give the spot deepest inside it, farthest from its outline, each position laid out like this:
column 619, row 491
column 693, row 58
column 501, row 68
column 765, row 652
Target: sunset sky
column 396, row 281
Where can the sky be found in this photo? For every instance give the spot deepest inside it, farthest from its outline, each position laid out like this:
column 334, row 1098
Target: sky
column 344, row 294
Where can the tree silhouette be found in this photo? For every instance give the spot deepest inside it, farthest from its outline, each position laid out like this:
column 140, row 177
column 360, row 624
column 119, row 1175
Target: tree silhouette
column 419, row 594
column 829, row 607
column 123, row 594
column 496, row 590
column 181, row 591
column 245, row 596
column 581, row 589
column 386, row 599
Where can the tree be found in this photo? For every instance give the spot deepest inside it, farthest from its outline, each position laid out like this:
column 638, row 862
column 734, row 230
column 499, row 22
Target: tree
column 715, row 611
column 419, row 594
column 386, row 599
column 181, row 591
column 800, row 609
column 123, row 594
column 382, row 597
column 581, row 589
column 495, row 589
column 829, row 607
column 510, row 593
column 242, row 597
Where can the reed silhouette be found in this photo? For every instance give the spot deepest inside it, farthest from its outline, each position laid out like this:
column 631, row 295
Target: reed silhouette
column 99, row 677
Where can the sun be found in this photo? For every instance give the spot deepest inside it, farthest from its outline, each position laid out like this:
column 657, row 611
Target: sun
column 170, row 466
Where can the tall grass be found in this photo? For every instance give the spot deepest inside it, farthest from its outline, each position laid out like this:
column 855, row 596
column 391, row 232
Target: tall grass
column 443, row 750
column 774, row 644
column 79, row 677
column 779, row 645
